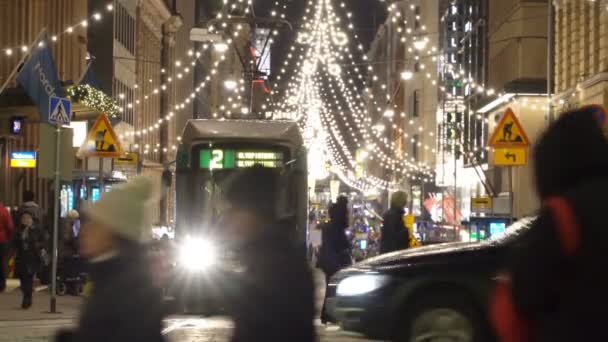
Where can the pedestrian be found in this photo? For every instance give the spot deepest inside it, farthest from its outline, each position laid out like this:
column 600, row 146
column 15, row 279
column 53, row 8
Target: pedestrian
column 335, row 251
column 30, row 206
column 394, row 234
column 6, row 235
column 272, row 299
column 553, row 289
column 69, row 265
column 30, row 243
column 124, row 304
column 74, row 222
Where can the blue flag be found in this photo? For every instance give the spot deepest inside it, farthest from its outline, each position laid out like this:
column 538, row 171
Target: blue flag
column 89, row 77
column 39, row 79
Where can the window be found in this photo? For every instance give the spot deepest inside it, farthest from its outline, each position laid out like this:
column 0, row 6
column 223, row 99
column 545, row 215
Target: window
column 125, row 99
column 415, row 147
column 124, row 28
column 416, row 103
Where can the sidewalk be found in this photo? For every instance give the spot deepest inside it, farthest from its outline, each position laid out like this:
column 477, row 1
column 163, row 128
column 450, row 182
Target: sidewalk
column 10, row 307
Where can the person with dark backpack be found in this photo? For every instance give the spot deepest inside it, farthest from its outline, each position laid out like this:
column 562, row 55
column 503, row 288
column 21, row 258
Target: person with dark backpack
column 31, row 207
column 553, row 288
column 272, row 298
column 30, row 243
column 394, row 234
column 335, row 252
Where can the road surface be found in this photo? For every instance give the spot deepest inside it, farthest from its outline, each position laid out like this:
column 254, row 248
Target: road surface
column 177, row 329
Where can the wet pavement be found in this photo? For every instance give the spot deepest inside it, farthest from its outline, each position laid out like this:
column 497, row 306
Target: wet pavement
column 177, row 329
column 36, row 324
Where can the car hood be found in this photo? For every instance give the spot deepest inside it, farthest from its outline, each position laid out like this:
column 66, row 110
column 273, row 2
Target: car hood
column 409, row 255
column 400, row 257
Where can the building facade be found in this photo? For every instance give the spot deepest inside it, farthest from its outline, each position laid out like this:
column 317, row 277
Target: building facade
column 581, row 54
column 495, row 32
column 21, row 21
column 131, row 47
column 402, row 93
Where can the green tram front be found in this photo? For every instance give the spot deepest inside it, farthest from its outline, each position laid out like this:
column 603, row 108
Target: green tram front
column 211, row 151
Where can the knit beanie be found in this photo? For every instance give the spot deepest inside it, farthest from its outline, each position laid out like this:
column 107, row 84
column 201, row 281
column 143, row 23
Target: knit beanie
column 125, row 210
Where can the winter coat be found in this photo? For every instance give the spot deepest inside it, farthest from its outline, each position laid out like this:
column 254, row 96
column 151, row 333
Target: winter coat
column 273, row 299
column 124, row 305
column 6, row 225
column 556, row 290
column 34, row 210
column 335, row 248
column 394, row 234
column 30, row 244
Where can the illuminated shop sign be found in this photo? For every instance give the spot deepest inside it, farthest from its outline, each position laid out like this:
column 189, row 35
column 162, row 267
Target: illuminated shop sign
column 23, row 160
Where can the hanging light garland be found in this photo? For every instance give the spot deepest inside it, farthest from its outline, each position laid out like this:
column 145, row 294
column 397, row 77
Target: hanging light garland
column 10, row 51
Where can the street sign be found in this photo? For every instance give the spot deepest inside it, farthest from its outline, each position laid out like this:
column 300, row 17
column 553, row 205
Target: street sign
column 16, row 125
column 101, row 141
column 509, row 133
column 126, row 160
column 60, row 110
column 47, row 153
column 510, row 156
column 23, row 160
column 481, row 205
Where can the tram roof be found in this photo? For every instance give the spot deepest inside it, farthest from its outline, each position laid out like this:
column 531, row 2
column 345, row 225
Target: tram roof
column 202, row 129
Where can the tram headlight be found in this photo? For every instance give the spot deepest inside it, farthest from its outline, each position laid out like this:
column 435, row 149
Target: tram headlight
column 197, row 254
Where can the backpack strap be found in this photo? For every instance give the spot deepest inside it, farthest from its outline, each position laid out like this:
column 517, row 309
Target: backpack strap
column 568, row 229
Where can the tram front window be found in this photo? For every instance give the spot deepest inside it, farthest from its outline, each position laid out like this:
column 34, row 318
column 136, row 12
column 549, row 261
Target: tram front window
column 204, row 245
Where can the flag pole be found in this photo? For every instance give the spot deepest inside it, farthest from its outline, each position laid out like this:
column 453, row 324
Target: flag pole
column 22, row 60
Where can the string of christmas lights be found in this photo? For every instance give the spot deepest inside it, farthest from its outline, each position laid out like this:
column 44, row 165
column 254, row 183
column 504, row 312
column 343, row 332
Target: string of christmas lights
column 54, row 37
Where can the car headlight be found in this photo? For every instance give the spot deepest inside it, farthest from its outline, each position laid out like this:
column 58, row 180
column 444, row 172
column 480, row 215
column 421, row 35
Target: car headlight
column 197, row 254
column 360, row 284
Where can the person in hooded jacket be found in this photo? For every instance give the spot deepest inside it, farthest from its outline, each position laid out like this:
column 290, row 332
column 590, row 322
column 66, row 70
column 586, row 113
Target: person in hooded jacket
column 272, row 300
column 394, row 235
column 335, row 251
column 31, row 207
column 553, row 289
column 124, row 305
column 30, row 250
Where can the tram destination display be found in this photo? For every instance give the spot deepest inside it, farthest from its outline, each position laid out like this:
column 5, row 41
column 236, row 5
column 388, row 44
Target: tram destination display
column 217, row 159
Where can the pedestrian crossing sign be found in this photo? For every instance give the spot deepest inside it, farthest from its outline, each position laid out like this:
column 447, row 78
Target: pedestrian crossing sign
column 509, row 133
column 60, row 110
column 101, row 141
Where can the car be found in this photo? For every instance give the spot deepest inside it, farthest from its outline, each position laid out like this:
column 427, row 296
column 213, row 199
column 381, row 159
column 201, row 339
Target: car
column 431, row 293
